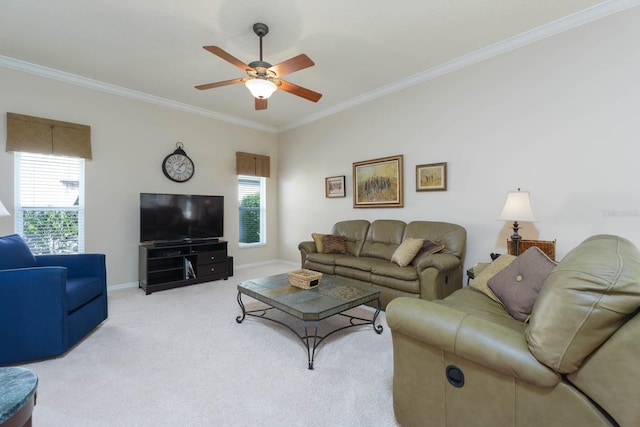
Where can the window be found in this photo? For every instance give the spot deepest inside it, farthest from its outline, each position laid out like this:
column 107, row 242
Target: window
column 252, row 217
column 49, row 211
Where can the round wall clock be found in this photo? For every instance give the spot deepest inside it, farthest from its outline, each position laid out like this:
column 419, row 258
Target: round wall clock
column 177, row 166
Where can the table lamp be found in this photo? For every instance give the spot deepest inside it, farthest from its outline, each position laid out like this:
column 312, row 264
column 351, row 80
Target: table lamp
column 517, row 208
column 3, row 210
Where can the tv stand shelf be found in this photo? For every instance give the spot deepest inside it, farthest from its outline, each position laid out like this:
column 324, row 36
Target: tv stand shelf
column 172, row 265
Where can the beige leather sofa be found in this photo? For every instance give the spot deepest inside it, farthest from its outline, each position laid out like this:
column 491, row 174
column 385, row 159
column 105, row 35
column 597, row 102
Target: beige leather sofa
column 464, row 361
column 369, row 249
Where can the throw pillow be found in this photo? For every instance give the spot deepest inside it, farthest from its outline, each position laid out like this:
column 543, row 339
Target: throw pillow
column 317, row 237
column 14, row 253
column 499, row 264
column 407, row 250
column 428, row 248
column 518, row 285
column 334, row 244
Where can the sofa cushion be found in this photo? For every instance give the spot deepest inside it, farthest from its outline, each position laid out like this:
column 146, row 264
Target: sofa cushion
column 518, row 285
column 322, row 258
column 481, row 282
column 354, row 231
column 334, row 244
column 389, row 269
column 588, row 296
column 472, row 302
column 383, row 238
column 360, row 263
column 405, row 286
column 407, row 250
column 14, row 253
column 82, row 290
column 428, row 248
column 317, row 238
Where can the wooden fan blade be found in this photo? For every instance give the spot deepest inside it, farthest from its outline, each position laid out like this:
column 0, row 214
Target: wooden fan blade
column 261, row 104
column 300, row 91
column 296, row 63
column 227, row 57
column 218, row 84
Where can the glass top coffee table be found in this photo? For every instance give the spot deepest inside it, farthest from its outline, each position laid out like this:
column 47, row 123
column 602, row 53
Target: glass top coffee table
column 332, row 297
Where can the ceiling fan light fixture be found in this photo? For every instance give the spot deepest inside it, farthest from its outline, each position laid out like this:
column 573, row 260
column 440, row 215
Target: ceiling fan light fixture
column 261, row 88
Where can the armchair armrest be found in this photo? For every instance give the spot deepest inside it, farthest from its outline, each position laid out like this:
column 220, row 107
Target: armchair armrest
column 78, row 265
column 33, row 311
column 488, row 344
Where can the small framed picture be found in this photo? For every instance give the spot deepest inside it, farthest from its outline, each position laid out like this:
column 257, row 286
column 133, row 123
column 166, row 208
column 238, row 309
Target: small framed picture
column 334, row 186
column 431, row 177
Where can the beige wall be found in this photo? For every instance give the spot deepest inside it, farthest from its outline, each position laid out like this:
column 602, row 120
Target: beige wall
column 558, row 118
column 130, row 139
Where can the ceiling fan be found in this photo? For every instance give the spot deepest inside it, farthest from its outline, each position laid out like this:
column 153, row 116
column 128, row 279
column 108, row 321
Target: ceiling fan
column 263, row 78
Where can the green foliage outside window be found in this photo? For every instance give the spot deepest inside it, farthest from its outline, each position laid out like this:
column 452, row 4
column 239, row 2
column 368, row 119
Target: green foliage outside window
column 51, row 231
column 250, row 219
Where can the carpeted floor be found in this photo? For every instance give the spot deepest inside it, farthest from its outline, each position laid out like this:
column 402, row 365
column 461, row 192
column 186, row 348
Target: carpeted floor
column 178, row 358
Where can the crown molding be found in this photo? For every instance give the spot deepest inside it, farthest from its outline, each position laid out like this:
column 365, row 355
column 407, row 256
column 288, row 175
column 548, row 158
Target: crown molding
column 50, row 73
column 569, row 22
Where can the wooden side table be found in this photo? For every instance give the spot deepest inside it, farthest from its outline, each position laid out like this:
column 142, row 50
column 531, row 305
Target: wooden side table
column 473, row 272
column 17, row 396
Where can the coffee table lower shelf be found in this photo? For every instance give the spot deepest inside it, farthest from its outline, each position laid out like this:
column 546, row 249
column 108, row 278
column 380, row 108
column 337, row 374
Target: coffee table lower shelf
column 310, row 337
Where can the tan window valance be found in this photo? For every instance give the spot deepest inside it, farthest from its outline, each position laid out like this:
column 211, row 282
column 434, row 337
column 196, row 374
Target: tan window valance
column 37, row 135
column 253, row 164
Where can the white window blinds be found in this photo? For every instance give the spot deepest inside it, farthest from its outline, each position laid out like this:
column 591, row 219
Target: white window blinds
column 50, row 202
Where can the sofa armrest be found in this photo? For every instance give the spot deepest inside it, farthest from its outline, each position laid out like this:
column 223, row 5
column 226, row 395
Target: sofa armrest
column 440, row 261
column 305, row 249
column 78, row 265
column 488, row 344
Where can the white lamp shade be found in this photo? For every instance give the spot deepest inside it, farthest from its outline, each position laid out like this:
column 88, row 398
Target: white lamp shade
column 518, row 207
column 3, row 210
column 261, row 88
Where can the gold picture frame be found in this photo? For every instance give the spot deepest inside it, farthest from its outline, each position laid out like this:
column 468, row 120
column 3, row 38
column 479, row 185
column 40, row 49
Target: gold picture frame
column 431, row 177
column 334, row 186
column 378, row 183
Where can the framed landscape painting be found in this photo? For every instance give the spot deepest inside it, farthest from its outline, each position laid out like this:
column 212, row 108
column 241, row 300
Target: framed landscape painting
column 431, row 177
column 378, row 183
column 334, row 186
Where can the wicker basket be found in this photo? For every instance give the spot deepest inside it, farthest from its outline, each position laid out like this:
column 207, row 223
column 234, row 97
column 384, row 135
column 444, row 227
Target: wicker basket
column 305, row 279
column 547, row 246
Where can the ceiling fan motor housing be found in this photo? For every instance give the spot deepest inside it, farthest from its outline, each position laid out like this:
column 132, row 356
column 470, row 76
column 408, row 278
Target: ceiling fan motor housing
column 260, row 29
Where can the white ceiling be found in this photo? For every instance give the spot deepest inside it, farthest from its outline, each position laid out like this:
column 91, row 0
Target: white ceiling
column 152, row 49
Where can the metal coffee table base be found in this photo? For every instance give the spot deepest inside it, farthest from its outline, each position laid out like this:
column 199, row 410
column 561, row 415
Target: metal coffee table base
column 311, row 341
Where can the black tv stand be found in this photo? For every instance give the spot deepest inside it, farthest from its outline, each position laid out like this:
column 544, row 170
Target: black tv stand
column 166, row 265
column 165, row 243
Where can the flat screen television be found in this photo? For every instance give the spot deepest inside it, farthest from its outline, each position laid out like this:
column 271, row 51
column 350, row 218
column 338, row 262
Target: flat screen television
column 180, row 217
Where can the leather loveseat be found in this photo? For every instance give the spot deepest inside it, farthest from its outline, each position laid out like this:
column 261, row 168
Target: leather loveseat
column 48, row 303
column 464, row 361
column 371, row 246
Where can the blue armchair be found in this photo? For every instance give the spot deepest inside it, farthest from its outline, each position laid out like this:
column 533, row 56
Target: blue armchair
column 47, row 302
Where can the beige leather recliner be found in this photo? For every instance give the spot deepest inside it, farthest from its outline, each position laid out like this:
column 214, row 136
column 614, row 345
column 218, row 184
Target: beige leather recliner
column 464, row 361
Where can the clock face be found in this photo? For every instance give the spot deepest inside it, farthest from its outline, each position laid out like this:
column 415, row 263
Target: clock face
column 178, row 167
